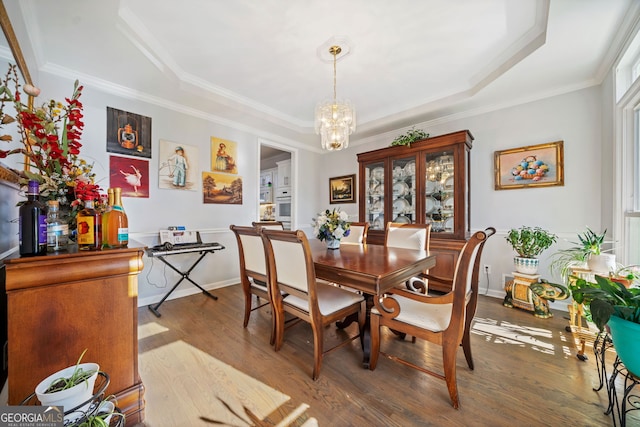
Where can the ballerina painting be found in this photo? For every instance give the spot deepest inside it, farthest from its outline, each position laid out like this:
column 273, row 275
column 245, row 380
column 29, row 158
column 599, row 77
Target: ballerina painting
column 132, row 175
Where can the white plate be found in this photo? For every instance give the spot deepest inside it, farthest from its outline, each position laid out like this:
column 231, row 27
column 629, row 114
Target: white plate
column 448, row 183
column 378, row 223
column 448, row 224
column 377, row 173
column 431, row 187
column 400, row 188
column 430, row 205
column 410, row 168
column 448, row 203
column 400, row 205
column 398, row 173
column 401, row 219
column 377, row 190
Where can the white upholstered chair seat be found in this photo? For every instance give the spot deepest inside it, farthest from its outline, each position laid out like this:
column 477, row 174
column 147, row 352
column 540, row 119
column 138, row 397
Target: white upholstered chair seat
column 432, row 317
column 330, row 299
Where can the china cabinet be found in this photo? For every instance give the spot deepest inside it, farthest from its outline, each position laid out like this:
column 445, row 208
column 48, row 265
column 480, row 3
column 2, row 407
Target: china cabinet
column 426, row 182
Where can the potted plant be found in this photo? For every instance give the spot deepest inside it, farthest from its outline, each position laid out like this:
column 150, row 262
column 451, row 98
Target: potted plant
column 101, row 417
column 411, row 136
column 587, row 253
column 70, row 388
column 331, row 225
column 617, row 307
column 529, row 243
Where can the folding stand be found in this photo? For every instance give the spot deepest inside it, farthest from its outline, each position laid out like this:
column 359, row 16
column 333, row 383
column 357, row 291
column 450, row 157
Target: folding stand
column 203, row 249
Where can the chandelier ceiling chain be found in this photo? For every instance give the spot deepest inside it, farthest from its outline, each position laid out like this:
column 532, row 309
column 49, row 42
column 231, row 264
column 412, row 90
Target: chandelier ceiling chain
column 335, row 121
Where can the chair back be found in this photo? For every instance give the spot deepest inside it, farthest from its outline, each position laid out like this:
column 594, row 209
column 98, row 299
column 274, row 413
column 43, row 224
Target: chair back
column 463, row 275
column 290, row 264
column 269, row 225
column 357, row 233
column 252, row 254
column 408, row 236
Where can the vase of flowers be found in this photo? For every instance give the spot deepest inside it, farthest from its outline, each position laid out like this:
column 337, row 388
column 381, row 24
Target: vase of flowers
column 331, row 225
column 50, row 136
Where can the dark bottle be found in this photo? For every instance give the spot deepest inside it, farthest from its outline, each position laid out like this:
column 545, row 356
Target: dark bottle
column 89, row 227
column 33, row 223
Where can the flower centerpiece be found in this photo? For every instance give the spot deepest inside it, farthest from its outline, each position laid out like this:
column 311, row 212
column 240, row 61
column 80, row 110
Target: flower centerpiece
column 50, row 136
column 331, row 225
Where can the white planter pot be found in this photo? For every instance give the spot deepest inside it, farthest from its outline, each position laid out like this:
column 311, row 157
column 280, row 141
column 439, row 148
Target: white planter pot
column 602, row 264
column 71, row 397
column 526, row 265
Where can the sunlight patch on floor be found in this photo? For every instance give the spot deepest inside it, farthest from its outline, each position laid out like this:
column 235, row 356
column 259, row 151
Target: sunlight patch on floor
column 502, row 332
column 205, row 389
column 150, row 329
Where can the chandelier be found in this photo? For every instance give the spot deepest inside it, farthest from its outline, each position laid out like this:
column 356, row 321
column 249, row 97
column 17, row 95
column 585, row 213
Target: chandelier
column 335, row 121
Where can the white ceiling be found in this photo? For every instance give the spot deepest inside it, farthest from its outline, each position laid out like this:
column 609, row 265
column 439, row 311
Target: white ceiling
column 263, row 65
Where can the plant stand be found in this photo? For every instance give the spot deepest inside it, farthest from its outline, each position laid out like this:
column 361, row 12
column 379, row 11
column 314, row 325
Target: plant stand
column 527, row 292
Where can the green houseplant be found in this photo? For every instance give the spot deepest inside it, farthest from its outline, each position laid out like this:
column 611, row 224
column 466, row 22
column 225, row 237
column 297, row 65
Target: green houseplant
column 587, row 252
column 529, row 243
column 612, row 304
column 411, row 136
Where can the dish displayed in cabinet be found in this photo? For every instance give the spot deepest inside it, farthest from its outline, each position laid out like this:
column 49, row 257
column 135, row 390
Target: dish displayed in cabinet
column 400, row 188
column 378, row 223
column 401, row 205
column 431, row 187
column 447, row 203
column 448, row 224
column 377, row 190
column 430, row 205
column 401, row 219
column 376, row 207
column 410, row 168
column 448, row 183
column 398, row 172
column 377, row 173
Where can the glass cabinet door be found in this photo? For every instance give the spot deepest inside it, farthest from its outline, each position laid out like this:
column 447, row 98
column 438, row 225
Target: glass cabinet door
column 374, row 195
column 403, row 206
column 439, row 191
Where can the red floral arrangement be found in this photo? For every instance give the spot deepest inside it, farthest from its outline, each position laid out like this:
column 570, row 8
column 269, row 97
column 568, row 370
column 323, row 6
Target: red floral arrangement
column 51, row 158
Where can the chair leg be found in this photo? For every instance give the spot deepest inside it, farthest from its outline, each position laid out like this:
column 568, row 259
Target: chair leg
column 318, row 339
column 466, row 347
column 278, row 327
column 375, row 341
column 449, row 363
column 247, row 309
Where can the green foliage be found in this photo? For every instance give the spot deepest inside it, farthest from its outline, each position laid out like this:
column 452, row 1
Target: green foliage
column 591, row 242
column 529, row 242
column 78, row 376
column 99, row 417
column 411, row 136
column 607, row 298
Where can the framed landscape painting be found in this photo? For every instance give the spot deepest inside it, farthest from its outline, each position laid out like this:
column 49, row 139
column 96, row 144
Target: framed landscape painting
column 342, row 189
column 532, row 166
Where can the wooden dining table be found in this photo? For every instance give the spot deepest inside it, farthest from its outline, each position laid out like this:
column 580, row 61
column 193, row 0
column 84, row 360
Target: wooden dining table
column 371, row 269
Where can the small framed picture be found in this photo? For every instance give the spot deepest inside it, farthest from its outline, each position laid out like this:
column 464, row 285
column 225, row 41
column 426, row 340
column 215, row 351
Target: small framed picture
column 342, row 189
column 533, row 166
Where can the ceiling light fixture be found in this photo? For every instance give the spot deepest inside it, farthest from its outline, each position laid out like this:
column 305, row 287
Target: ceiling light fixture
column 335, row 121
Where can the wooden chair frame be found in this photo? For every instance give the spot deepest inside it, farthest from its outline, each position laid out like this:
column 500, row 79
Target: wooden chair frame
column 365, row 232
column 463, row 299
column 250, row 277
column 314, row 317
column 269, row 225
column 420, row 282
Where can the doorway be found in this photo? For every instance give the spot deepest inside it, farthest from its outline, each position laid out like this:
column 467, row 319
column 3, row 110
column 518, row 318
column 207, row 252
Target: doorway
column 277, row 163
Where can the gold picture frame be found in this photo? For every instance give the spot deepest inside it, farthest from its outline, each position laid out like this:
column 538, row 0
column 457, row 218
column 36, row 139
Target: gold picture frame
column 539, row 165
column 342, row 189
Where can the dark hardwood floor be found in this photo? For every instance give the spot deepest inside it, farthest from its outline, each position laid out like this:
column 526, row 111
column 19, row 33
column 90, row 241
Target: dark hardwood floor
column 199, row 367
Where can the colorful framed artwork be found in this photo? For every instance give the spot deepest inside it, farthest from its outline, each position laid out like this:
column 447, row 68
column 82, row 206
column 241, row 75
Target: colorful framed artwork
column 177, row 166
column 132, row 175
column 223, row 155
column 532, row 166
column 342, row 189
column 221, row 188
column 128, row 133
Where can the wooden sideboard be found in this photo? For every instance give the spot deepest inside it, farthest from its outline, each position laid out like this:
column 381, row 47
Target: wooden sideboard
column 60, row 304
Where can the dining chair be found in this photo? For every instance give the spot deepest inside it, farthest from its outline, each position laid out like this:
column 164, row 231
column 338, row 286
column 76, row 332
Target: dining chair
column 295, row 290
column 253, row 270
column 270, row 225
column 410, row 236
column 440, row 319
column 357, row 233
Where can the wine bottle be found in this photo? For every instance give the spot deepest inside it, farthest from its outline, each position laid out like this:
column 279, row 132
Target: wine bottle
column 115, row 221
column 89, row 227
column 57, row 228
column 33, row 223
